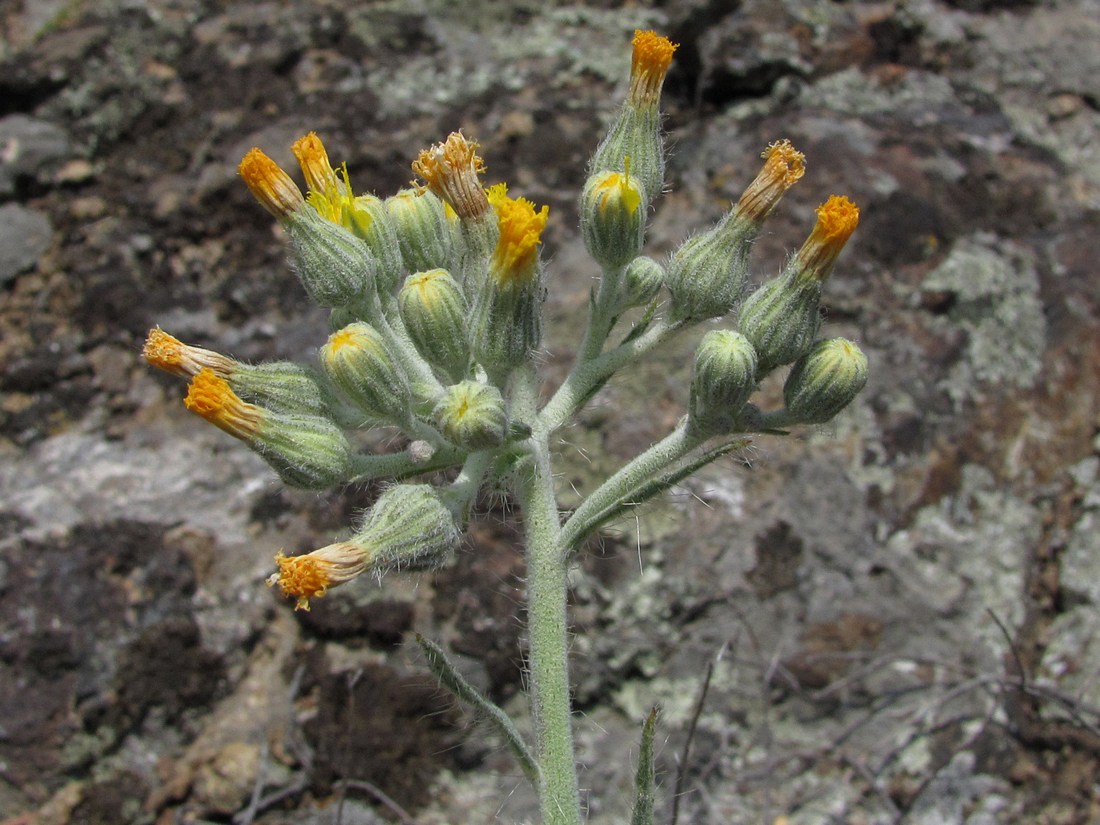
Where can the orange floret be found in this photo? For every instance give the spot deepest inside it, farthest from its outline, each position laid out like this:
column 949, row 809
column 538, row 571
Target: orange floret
column 211, row 397
column 649, row 64
column 168, row 353
column 450, row 170
column 783, row 167
column 310, row 576
column 837, row 219
column 520, row 235
column 314, row 161
column 270, row 185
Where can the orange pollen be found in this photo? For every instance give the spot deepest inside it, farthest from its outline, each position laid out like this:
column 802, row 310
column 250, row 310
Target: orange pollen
column 170, row 354
column 837, row 219
column 163, row 351
column 520, row 235
column 211, row 397
column 652, row 53
column 783, row 161
column 450, row 170
column 301, row 577
column 649, row 64
column 783, row 167
column 270, row 185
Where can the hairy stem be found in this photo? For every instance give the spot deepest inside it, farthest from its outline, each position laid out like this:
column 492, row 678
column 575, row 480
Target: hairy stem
column 547, row 623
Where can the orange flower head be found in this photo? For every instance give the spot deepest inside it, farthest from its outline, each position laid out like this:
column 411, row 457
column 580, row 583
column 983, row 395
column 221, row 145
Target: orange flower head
column 451, row 170
column 270, row 185
column 168, row 353
column 314, row 161
column 649, row 62
column 310, row 576
column 515, row 258
column 211, row 397
column 837, row 219
column 783, row 167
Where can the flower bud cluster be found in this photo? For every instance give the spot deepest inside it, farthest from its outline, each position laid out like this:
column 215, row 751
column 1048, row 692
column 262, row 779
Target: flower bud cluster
column 435, row 297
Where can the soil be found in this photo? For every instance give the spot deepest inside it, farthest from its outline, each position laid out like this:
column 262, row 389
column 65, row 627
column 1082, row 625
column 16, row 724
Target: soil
column 895, row 615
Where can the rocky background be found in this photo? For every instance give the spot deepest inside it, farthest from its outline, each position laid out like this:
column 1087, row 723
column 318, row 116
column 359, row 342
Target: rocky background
column 897, row 613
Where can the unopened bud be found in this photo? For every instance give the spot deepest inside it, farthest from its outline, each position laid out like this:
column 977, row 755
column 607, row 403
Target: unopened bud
column 472, row 415
column 781, row 320
column 305, row 450
column 724, row 378
column 361, row 363
column 824, row 381
column 335, row 267
column 424, row 231
column 434, row 312
column 613, row 211
column 642, row 280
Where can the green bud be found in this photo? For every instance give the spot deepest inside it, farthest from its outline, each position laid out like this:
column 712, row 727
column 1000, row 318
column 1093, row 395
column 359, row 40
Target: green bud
column 283, row 386
column 370, row 220
column 707, row 274
column 335, row 267
column 613, row 211
column 434, row 312
column 305, row 450
column 472, row 415
column 409, row 526
column 642, row 280
column 361, row 363
column 781, row 320
column 824, row 381
column 425, row 234
column 724, row 378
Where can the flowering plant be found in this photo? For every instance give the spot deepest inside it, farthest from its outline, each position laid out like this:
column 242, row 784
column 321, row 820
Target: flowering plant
column 435, row 296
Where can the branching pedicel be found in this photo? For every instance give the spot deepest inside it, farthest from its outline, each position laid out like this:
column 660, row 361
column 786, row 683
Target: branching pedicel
column 435, row 298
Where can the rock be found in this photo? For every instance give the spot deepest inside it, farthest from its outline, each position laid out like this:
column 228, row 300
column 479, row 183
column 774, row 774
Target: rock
column 29, row 147
column 24, row 236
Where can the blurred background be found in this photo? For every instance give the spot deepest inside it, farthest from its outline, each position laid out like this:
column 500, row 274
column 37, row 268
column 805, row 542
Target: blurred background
column 897, row 613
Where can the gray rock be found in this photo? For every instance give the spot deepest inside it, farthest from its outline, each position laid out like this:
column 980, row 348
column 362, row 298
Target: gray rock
column 24, row 236
column 29, row 147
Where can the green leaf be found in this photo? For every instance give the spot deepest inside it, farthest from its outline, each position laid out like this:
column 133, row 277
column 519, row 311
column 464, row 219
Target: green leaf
column 451, row 679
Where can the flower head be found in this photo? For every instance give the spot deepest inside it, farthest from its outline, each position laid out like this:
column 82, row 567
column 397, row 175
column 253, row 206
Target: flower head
column 837, row 219
column 649, row 64
column 516, row 256
column 211, row 397
column 168, row 353
column 783, row 166
column 451, row 170
column 270, row 185
column 309, row 576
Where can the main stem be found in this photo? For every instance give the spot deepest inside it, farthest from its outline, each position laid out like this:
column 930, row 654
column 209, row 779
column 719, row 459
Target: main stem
column 547, row 621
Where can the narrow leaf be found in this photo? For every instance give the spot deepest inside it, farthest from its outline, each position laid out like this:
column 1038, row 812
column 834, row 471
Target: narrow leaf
column 451, row 679
column 644, row 778
column 650, row 488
